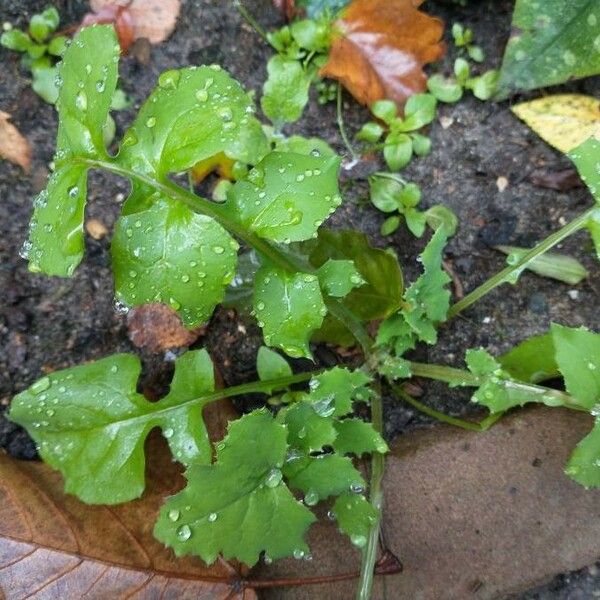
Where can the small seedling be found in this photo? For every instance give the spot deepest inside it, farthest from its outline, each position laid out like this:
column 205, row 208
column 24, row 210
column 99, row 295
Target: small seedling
column 463, row 40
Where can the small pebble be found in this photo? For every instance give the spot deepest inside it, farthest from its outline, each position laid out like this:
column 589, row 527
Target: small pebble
column 573, row 294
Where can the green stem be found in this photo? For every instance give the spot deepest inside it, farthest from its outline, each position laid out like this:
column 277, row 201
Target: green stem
column 369, row 556
column 392, row 176
column 509, row 272
column 342, row 128
column 251, row 21
column 483, row 425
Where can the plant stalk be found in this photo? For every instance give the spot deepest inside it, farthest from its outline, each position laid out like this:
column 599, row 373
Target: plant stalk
column 342, row 127
column 514, row 270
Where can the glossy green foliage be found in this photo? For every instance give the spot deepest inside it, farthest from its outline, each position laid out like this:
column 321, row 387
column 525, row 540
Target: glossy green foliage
column 241, row 505
column 572, row 353
column 166, row 253
column 194, row 114
column 287, row 196
column 463, row 40
column 55, row 244
column 402, row 139
column 381, row 293
column 339, row 277
column 426, row 302
column 355, row 517
column 271, row 365
column 553, row 42
column 90, row 423
column 238, row 506
column 289, row 308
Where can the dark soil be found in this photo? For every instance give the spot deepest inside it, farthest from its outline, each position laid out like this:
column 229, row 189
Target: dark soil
column 49, row 323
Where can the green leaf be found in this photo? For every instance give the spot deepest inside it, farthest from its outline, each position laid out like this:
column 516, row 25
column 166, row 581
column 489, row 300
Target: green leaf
column 370, row 132
column 385, row 193
column 166, row 253
column 386, row 110
column 339, row 277
column 419, row 111
column 15, row 39
column 593, row 226
column 307, row 430
column 285, row 92
column 301, row 145
column 286, row 197
column 355, row 517
column 440, row 216
column 462, row 70
column 333, row 392
column 445, row 89
column 485, row 85
column 390, row 225
column 289, row 307
column 550, row 47
column 587, row 160
column 382, row 293
column 532, row 360
column 421, row 144
column 415, row 221
column 271, row 365
column 397, row 150
column 42, row 25
column 55, row 244
column 238, row 506
column 319, row 477
column 584, row 463
column 578, row 358
column 90, row 423
column 312, row 35
column 410, row 195
column 44, row 84
column 194, row 113
column 476, row 53
column 355, row 436
column 428, row 296
column 57, row 45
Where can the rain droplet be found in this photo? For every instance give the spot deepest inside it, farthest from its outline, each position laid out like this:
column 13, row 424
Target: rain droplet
column 218, row 249
column 184, row 533
column 151, row 122
column 202, row 95
column 358, row 540
column 40, row 385
column 168, row 433
column 174, row 515
column 212, row 517
column 81, row 100
column 273, row 479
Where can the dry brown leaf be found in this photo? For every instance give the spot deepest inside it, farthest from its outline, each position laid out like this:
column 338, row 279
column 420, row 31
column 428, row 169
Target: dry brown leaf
column 381, row 49
column 53, row 546
column 152, row 19
column 13, row 146
column 157, row 327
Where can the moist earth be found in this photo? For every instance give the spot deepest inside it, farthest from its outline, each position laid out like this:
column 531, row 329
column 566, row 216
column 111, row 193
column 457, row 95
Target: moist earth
column 49, row 323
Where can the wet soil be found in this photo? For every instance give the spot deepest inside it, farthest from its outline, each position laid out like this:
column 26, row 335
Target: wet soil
column 50, row 323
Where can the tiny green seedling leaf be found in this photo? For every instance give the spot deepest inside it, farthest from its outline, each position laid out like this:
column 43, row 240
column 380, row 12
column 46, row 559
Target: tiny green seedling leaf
column 239, row 506
column 90, row 423
column 271, row 365
column 355, row 436
column 445, row 89
column 289, row 307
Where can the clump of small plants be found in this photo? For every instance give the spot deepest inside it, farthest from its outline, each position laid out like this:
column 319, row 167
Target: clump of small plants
column 250, row 495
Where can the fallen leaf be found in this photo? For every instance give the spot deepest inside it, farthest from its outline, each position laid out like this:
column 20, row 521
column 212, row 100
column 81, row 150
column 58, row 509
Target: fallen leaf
column 157, row 327
column 564, row 121
column 563, row 180
column 117, row 15
column 152, row 19
column 13, row 146
column 54, row 546
column 97, row 229
column 381, row 47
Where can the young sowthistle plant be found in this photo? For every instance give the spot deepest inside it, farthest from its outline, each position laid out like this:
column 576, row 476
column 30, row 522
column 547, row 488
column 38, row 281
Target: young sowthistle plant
column 172, row 246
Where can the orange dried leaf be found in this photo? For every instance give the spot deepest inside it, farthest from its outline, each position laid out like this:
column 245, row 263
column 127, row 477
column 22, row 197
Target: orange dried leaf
column 54, row 546
column 152, row 19
column 381, row 48
column 13, row 146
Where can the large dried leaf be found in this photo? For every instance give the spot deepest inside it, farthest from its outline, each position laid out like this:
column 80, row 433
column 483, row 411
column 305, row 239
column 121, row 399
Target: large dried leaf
column 151, row 19
column 13, row 146
column 381, row 49
column 55, row 547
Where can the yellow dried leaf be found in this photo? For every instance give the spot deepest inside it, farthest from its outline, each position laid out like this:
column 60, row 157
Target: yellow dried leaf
column 564, row 121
